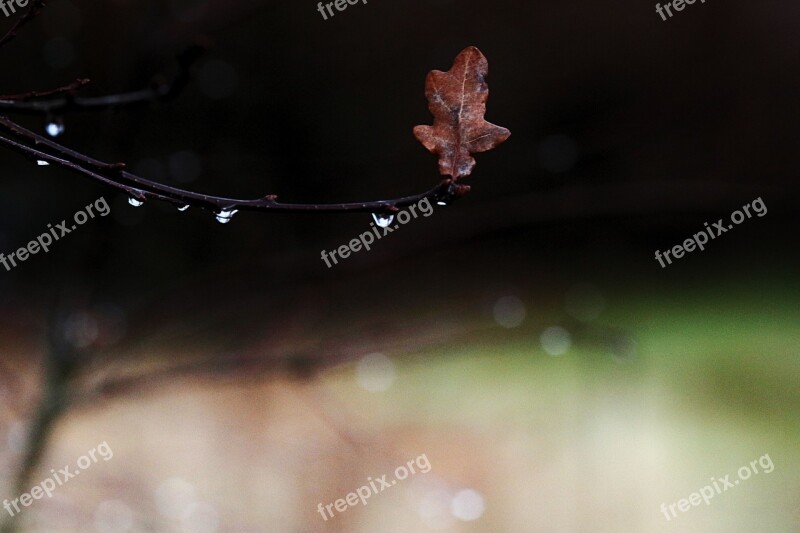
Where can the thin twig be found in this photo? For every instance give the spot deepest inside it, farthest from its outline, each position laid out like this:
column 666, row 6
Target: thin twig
column 70, row 88
column 38, row 155
column 156, row 92
column 40, row 149
column 32, row 13
column 37, row 147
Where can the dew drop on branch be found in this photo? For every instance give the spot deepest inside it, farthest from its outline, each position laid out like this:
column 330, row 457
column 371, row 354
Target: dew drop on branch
column 55, row 127
column 225, row 216
column 135, row 202
column 42, row 163
column 382, row 220
column 184, row 208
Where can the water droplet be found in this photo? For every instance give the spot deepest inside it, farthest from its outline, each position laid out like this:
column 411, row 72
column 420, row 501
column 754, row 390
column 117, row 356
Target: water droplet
column 225, row 216
column 135, row 202
column 509, row 311
column 174, row 496
column 382, row 220
column 441, row 203
column 113, row 516
column 375, row 372
column 55, row 127
column 184, row 208
column 42, row 163
column 556, row 340
column 467, row 505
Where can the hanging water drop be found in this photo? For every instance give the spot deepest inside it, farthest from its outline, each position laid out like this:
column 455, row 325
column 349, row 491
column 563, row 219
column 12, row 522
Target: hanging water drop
column 441, row 203
column 184, row 208
column 135, row 202
column 382, row 220
column 55, row 127
column 225, row 216
column 42, row 162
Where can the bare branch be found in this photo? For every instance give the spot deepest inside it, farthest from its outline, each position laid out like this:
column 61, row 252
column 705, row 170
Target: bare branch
column 70, row 88
column 156, row 92
column 39, row 148
column 43, row 150
column 30, row 14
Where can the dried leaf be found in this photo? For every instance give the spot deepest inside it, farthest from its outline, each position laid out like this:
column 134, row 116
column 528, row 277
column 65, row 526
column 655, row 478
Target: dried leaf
column 457, row 100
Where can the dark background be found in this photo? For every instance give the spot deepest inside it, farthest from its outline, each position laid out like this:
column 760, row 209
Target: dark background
column 628, row 132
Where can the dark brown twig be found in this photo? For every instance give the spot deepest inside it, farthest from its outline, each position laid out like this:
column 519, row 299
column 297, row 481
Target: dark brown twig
column 30, row 14
column 70, row 88
column 157, row 92
column 39, row 148
column 42, row 150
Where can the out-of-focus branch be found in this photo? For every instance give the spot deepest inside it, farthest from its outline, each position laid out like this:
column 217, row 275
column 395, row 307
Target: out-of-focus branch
column 28, row 103
column 31, row 95
column 60, row 365
column 30, row 14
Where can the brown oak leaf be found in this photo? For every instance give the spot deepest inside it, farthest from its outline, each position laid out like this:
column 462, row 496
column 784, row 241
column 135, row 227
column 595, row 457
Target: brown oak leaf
column 457, row 101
